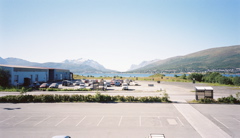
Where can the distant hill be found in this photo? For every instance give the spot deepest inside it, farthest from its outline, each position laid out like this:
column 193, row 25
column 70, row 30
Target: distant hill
column 214, row 58
column 77, row 66
column 142, row 64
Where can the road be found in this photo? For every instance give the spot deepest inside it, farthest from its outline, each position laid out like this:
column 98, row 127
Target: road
column 177, row 91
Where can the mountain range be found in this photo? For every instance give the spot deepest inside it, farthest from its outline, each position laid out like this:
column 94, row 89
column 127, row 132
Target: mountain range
column 142, row 64
column 220, row 58
column 76, row 66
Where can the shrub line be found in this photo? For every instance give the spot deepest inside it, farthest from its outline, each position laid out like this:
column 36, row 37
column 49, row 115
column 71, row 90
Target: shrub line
column 98, row 97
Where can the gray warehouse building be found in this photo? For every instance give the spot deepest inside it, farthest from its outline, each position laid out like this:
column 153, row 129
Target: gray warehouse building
column 21, row 75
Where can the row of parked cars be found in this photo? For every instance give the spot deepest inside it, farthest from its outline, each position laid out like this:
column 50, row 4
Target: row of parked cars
column 44, row 85
column 84, row 83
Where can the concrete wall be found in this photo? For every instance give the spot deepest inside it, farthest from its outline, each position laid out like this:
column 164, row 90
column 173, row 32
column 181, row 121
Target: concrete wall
column 34, row 76
column 61, row 74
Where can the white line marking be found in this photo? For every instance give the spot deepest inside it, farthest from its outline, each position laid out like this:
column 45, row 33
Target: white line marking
column 236, row 119
column 220, row 122
column 80, row 121
column 172, row 122
column 100, row 121
column 180, row 121
column 22, row 121
column 42, row 121
column 140, row 121
column 160, row 121
column 62, row 120
column 120, row 121
column 7, row 119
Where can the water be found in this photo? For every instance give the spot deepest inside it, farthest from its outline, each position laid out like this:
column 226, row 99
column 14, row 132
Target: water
column 138, row 74
column 115, row 74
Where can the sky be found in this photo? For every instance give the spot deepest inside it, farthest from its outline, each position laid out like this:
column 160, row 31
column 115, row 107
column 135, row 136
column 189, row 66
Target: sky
column 115, row 33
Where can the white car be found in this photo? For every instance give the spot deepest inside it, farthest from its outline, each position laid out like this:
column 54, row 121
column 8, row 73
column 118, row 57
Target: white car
column 135, row 83
column 77, row 83
column 124, row 86
column 82, row 85
column 61, row 136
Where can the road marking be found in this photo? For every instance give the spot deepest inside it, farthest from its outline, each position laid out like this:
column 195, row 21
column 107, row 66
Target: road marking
column 172, row 121
column 100, row 121
column 120, row 121
column 140, row 121
column 198, row 121
column 42, row 121
column 7, row 119
column 22, row 121
column 220, row 122
column 80, row 121
column 236, row 119
column 62, row 120
column 160, row 121
column 180, row 121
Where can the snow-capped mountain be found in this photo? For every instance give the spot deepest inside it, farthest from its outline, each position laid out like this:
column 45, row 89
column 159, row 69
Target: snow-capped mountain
column 83, row 61
column 80, row 65
column 142, row 64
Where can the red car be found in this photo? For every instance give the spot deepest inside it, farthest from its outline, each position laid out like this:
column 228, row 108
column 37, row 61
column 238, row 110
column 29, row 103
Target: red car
column 44, row 85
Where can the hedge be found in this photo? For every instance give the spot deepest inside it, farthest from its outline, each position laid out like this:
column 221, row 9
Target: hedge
column 98, row 97
column 229, row 100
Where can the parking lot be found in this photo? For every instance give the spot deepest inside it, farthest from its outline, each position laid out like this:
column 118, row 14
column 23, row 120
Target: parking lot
column 92, row 120
column 133, row 120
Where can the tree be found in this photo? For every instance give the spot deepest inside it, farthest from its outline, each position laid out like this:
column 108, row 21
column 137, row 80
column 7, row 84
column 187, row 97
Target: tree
column 184, row 76
column 236, row 81
column 196, row 76
column 4, row 77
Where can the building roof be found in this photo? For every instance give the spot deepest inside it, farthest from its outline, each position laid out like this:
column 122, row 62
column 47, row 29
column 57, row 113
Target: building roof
column 30, row 67
column 203, row 88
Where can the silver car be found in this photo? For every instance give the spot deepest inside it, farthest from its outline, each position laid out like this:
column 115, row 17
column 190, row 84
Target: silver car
column 54, row 85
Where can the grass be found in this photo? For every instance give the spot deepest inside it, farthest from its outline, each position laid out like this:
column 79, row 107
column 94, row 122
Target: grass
column 14, row 89
column 151, row 78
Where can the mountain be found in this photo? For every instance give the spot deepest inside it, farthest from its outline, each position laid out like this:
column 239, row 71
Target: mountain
column 77, row 65
column 221, row 58
column 87, row 62
column 142, row 64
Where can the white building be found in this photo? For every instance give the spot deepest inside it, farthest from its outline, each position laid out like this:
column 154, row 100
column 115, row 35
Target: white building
column 21, row 75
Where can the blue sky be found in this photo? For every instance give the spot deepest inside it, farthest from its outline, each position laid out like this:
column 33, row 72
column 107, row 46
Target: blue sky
column 115, row 33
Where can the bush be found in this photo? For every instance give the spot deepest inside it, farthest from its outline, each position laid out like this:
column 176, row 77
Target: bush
column 207, row 100
column 229, row 99
column 236, row 81
column 98, row 97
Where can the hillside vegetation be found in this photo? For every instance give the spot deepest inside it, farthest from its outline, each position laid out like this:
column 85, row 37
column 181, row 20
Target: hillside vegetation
column 215, row 58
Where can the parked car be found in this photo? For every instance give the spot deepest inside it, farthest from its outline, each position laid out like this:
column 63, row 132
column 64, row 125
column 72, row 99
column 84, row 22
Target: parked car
column 124, row 86
column 44, row 85
column 108, row 84
column 86, row 81
column 112, row 82
column 135, row 83
column 54, row 85
column 61, row 136
column 35, row 85
column 156, row 136
column 82, row 85
column 66, row 83
column 127, row 81
column 77, row 83
column 117, row 83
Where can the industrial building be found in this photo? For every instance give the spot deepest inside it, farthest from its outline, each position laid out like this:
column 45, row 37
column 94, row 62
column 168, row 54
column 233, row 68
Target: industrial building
column 24, row 75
